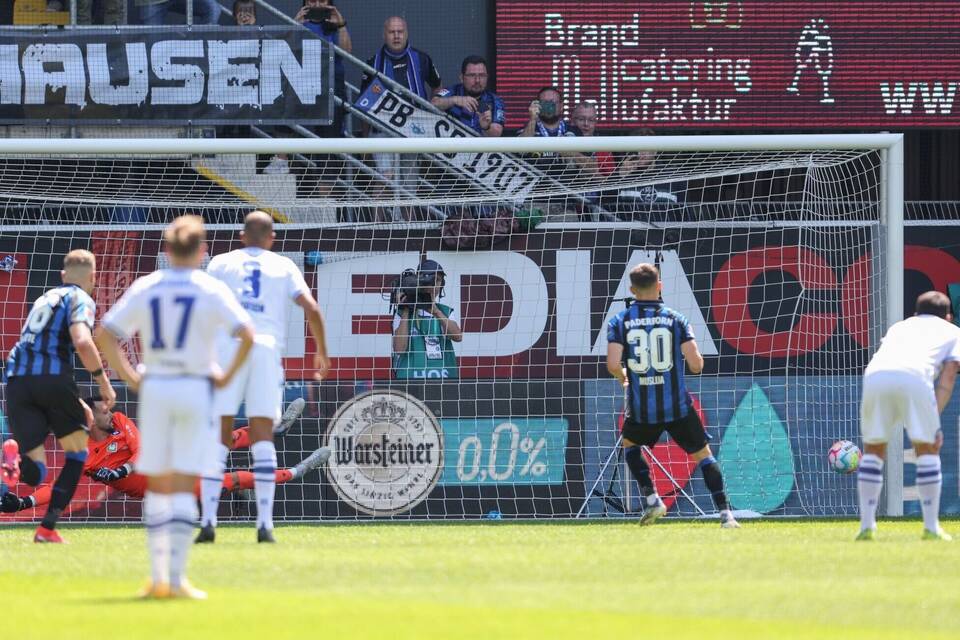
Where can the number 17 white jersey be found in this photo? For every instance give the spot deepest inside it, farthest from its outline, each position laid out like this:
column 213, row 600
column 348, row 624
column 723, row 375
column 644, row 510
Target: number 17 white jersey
column 178, row 314
column 265, row 283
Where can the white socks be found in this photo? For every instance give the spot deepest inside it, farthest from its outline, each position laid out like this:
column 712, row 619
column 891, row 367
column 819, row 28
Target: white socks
column 264, row 480
column 929, row 484
column 184, row 508
column 211, row 485
column 869, row 485
column 157, row 513
column 264, row 456
column 169, row 520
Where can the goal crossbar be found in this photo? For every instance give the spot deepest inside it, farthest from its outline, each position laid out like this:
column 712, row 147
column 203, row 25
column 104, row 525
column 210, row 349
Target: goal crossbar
column 133, row 146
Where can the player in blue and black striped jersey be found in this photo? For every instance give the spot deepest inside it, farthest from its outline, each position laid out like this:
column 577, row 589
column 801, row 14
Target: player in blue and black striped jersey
column 647, row 346
column 42, row 396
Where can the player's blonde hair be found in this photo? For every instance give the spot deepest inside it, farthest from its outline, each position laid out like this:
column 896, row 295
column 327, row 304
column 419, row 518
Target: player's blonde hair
column 79, row 260
column 184, row 236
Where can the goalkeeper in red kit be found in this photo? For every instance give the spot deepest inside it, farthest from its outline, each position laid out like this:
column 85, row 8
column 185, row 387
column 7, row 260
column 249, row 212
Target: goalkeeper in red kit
column 112, row 452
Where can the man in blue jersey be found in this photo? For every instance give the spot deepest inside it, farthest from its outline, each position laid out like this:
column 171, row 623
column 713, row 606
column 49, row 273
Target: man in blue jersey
column 42, row 396
column 471, row 102
column 647, row 345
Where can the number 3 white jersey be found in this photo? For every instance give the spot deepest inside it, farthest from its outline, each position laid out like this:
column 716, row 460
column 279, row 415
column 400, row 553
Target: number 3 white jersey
column 178, row 314
column 265, row 283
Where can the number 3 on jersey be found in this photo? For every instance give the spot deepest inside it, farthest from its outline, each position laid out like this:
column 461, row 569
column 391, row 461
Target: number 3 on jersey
column 650, row 349
column 251, row 283
column 186, row 304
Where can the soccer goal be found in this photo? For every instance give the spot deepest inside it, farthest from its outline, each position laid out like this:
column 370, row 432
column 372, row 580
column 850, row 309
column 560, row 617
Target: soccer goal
column 785, row 253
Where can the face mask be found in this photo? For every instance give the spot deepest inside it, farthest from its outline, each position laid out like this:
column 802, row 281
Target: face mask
column 548, row 109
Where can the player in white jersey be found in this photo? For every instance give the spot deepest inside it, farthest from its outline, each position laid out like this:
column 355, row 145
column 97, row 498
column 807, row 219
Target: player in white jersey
column 265, row 284
column 909, row 382
column 177, row 313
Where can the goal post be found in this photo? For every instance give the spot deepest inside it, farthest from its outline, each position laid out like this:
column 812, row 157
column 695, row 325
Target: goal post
column 785, row 253
column 892, row 218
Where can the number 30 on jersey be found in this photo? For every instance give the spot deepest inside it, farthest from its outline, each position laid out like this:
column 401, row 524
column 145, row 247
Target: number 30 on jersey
column 650, row 349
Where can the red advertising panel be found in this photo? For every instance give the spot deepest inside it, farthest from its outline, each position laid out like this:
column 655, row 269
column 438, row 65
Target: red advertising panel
column 810, row 64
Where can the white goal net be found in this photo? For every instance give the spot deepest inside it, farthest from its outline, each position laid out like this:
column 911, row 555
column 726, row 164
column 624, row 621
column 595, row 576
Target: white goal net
column 776, row 249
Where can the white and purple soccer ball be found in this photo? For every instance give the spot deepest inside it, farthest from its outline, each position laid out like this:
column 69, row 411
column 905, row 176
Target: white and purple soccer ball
column 844, row 456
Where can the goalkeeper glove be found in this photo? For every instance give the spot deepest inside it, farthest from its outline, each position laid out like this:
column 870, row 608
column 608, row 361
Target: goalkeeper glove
column 104, row 474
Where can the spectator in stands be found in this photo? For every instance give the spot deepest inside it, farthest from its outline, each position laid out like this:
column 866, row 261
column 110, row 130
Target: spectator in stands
column 414, row 70
column 325, row 20
column 546, row 121
column 424, row 330
column 245, row 13
column 410, row 67
column 598, row 163
column 546, row 116
column 154, row 12
column 471, row 102
column 657, row 201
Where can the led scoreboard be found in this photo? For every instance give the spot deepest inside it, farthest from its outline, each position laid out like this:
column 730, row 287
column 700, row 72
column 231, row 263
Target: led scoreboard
column 812, row 64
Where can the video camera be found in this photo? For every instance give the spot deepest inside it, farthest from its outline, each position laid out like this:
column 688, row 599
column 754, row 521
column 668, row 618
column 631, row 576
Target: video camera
column 412, row 290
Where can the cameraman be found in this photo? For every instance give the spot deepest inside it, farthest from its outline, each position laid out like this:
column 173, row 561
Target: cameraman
column 424, row 330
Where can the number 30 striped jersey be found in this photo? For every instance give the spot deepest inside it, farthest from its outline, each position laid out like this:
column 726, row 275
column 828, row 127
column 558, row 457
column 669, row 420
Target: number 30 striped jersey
column 178, row 313
column 651, row 334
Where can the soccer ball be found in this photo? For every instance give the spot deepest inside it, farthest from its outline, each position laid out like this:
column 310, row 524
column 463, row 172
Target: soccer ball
column 844, row 456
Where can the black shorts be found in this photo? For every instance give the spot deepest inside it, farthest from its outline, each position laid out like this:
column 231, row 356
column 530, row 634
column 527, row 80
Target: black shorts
column 687, row 432
column 39, row 405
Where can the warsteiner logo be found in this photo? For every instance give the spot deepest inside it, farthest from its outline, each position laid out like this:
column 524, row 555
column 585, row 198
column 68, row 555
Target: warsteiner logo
column 388, row 452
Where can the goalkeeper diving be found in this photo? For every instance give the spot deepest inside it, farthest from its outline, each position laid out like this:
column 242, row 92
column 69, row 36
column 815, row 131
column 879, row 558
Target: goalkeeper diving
column 114, row 442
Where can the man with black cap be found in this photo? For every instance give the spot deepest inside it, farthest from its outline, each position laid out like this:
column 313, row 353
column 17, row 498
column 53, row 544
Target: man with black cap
column 424, row 333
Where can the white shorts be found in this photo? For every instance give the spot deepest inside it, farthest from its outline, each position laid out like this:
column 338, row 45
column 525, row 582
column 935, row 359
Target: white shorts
column 176, row 426
column 892, row 399
column 258, row 384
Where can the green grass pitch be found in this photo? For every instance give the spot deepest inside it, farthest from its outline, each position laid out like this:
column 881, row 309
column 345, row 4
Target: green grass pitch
column 496, row 579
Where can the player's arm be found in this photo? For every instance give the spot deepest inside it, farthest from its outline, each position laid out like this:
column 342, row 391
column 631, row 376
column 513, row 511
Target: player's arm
column 87, row 413
column 691, row 353
column 615, row 362
column 90, row 357
column 117, row 360
column 321, row 359
column 122, row 321
column 945, row 383
column 245, row 334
